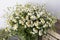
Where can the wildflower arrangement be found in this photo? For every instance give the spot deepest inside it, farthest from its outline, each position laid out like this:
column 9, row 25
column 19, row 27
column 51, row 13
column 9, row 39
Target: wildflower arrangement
column 27, row 21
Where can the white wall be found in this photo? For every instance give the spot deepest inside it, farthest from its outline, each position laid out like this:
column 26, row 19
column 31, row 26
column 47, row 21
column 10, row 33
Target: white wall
column 51, row 5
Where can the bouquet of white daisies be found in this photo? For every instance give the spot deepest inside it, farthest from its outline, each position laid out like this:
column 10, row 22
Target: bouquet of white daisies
column 30, row 20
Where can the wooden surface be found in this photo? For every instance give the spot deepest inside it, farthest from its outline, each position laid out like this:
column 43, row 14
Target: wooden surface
column 54, row 34
column 57, row 26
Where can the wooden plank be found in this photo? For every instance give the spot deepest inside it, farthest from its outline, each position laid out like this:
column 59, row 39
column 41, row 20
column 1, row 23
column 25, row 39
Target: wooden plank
column 54, row 34
column 57, row 26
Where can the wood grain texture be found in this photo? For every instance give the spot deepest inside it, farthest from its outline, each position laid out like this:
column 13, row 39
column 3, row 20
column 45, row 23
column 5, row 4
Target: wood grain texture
column 57, row 26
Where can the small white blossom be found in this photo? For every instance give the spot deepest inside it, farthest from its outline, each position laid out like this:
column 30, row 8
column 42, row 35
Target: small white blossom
column 17, row 17
column 33, row 17
column 38, row 15
column 29, row 13
column 45, row 32
column 22, row 17
column 41, row 13
column 7, row 29
column 37, row 27
column 42, row 21
column 11, row 17
column 32, row 24
column 54, row 21
column 28, row 23
column 27, row 18
column 45, row 25
column 21, row 22
column 34, row 7
column 15, row 27
column 3, row 39
column 36, row 23
column 49, row 13
column 40, row 33
column 25, row 26
column 17, row 13
column 14, row 20
column 50, row 25
column 49, row 18
column 32, row 32
column 35, row 30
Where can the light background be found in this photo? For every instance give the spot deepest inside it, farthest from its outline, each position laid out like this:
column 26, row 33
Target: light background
column 51, row 5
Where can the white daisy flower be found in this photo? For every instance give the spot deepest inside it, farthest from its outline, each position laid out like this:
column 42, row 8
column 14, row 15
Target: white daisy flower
column 42, row 21
column 17, row 13
column 11, row 17
column 29, row 13
column 7, row 29
column 44, row 32
column 14, row 20
column 54, row 21
column 41, row 13
column 35, row 30
column 15, row 27
column 49, row 13
column 25, row 26
column 23, row 19
column 50, row 25
column 27, row 18
column 38, row 15
column 36, row 23
column 32, row 24
column 21, row 22
column 45, row 25
column 33, row 17
column 37, row 27
column 17, row 17
column 50, row 19
column 3, row 39
column 32, row 32
column 28, row 23
column 40, row 33
column 34, row 7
